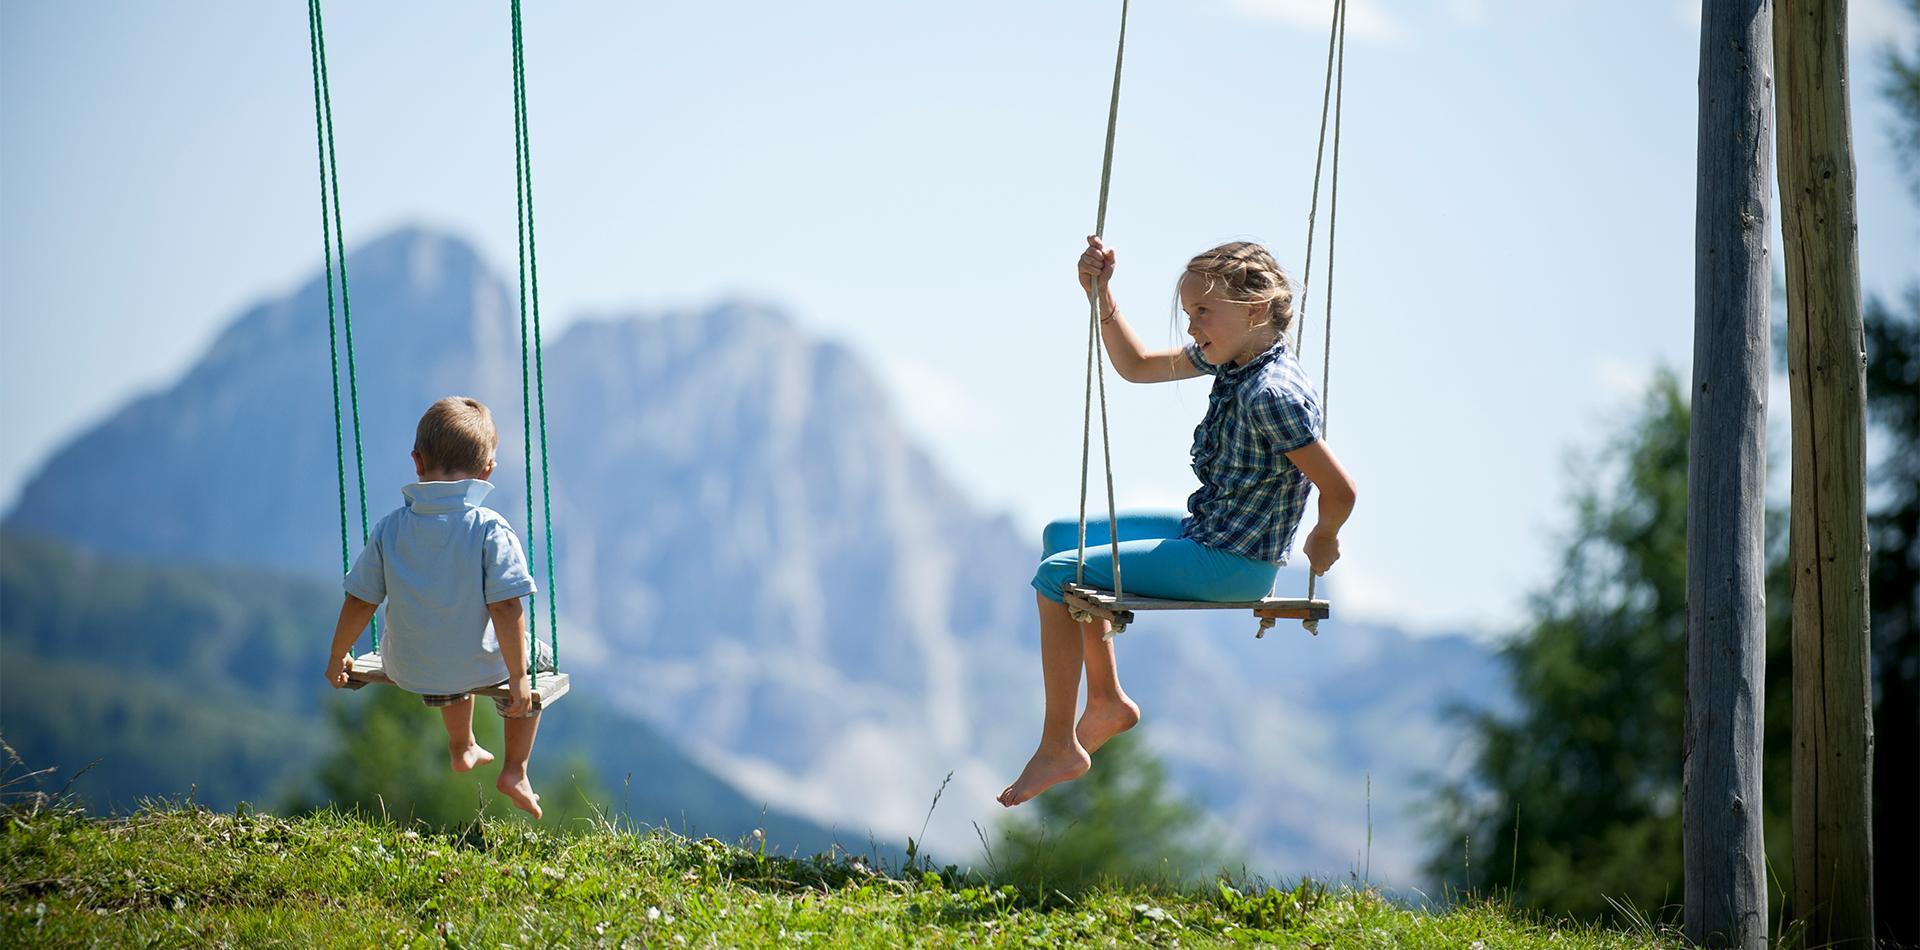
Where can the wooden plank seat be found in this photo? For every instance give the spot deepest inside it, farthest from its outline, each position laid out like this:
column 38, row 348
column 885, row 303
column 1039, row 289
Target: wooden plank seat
column 547, row 689
column 1090, row 603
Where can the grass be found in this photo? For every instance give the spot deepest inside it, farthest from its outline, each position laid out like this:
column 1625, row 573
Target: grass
column 180, row 876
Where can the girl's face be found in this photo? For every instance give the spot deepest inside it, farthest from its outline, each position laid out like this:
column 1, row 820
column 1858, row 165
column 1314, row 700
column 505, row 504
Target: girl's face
column 1227, row 331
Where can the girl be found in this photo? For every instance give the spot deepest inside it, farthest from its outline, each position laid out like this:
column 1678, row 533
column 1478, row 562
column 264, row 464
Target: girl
column 1255, row 453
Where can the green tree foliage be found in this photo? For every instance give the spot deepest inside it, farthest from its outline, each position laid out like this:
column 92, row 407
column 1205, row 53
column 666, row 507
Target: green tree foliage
column 390, row 758
column 1893, row 407
column 1903, row 89
column 1574, row 798
column 1118, row 824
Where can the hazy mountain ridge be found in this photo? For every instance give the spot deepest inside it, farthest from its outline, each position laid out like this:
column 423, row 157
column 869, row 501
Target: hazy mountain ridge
column 754, row 556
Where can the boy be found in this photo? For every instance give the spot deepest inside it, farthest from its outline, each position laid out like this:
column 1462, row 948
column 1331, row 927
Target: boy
column 446, row 566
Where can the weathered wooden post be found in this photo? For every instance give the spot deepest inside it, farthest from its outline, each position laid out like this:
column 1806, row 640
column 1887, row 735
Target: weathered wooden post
column 1826, row 369
column 1725, row 877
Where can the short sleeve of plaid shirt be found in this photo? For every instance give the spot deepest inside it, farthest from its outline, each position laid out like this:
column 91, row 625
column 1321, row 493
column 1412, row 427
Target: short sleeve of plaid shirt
column 1283, row 415
column 1199, row 362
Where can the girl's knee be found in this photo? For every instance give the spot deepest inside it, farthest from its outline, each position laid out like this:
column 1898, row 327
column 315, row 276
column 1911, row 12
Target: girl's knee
column 1062, row 534
column 1052, row 576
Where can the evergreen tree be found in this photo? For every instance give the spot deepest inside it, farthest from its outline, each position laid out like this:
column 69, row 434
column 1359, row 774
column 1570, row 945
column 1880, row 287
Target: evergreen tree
column 1574, row 799
column 1118, row 823
column 1893, row 409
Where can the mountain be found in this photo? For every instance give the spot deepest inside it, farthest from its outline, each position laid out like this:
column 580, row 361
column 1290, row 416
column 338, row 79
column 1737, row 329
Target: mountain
column 755, row 557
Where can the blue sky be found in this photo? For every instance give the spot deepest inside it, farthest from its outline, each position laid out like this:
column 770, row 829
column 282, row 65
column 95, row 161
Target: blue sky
column 914, row 179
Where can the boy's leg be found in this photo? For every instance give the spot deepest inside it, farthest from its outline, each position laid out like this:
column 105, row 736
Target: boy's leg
column 457, row 716
column 1060, row 757
column 513, row 773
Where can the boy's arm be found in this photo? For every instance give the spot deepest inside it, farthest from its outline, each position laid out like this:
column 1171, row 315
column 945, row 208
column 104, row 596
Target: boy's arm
column 510, row 630
column 354, row 614
column 1337, row 495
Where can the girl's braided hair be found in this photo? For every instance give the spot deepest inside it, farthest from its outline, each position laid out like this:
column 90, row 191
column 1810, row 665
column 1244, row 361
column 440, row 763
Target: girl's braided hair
column 1250, row 275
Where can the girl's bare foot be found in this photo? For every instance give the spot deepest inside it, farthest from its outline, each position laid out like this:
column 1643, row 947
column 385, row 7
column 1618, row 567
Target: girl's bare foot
column 1104, row 719
column 1045, row 770
column 470, row 758
column 515, row 787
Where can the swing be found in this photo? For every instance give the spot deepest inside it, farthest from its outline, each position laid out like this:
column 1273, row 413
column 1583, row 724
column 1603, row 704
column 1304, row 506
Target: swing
column 369, row 667
column 1086, row 603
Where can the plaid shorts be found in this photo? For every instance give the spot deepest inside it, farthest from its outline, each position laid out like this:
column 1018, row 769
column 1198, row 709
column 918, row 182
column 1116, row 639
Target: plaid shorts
column 542, row 663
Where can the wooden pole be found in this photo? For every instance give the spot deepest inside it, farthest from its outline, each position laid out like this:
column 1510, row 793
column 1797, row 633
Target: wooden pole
column 1826, row 370
column 1725, row 860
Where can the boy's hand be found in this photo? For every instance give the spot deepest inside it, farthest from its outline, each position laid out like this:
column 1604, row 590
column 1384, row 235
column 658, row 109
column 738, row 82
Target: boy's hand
column 519, row 696
column 337, row 670
column 1096, row 261
column 1321, row 550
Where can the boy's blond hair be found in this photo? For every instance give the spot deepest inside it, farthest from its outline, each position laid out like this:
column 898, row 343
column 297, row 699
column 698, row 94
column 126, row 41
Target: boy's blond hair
column 456, row 436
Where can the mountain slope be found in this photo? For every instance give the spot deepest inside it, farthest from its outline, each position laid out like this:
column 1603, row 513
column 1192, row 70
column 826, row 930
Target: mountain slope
column 756, row 557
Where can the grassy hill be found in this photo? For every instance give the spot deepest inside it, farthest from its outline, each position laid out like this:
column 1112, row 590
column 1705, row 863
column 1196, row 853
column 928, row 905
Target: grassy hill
column 170, row 680
column 190, row 877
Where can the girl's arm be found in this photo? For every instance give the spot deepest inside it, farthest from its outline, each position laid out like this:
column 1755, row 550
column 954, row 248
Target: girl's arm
column 1337, row 496
column 1131, row 359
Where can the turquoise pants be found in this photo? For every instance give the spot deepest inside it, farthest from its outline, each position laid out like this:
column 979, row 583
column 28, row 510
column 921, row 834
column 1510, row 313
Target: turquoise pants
column 1154, row 561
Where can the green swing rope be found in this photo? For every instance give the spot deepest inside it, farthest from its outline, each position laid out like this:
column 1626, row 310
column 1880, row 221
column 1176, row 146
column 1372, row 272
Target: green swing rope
column 332, row 235
column 530, row 276
column 334, row 251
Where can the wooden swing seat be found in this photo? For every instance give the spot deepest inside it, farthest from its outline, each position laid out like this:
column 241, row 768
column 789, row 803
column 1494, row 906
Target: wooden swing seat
column 547, row 689
column 1094, row 602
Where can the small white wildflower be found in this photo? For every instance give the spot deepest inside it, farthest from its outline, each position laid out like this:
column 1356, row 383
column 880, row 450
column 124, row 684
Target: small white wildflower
column 40, row 909
column 600, row 928
column 653, row 913
column 759, row 835
column 1477, row 945
column 680, row 939
column 668, row 920
column 179, row 903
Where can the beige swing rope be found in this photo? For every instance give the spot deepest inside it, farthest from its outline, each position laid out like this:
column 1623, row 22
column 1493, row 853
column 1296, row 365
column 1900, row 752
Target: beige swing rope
column 1332, row 93
column 1335, row 88
column 1096, row 367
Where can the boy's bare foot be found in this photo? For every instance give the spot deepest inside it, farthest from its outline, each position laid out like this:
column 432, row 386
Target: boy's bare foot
column 515, row 787
column 472, row 757
column 1045, row 770
column 1104, row 719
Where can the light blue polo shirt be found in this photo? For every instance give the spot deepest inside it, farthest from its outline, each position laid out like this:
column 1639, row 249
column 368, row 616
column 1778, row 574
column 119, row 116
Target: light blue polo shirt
column 437, row 563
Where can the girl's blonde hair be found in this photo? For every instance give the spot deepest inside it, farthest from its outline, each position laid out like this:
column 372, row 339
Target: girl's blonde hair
column 1250, row 275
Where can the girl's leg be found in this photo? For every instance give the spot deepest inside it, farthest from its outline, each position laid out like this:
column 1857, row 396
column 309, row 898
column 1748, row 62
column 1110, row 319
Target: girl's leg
column 1064, row 534
column 461, row 747
column 1109, row 710
column 1174, row 568
column 1060, row 757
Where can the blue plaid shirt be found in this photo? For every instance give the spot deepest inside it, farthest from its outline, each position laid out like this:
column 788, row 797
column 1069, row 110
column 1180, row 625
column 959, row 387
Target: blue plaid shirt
column 1251, row 497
